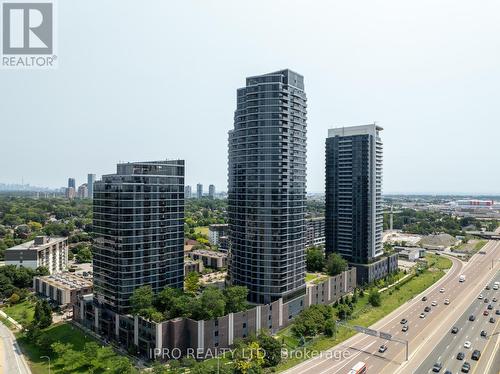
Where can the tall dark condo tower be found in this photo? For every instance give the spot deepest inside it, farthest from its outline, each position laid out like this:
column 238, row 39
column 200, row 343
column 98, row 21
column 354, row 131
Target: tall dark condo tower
column 266, row 187
column 354, row 215
column 138, row 231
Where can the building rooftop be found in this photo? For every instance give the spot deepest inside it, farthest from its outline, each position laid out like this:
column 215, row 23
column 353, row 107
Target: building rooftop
column 68, row 281
column 205, row 252
column 40, row 242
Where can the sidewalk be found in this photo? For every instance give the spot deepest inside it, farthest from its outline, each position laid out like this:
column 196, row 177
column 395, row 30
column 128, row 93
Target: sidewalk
column 11, row 320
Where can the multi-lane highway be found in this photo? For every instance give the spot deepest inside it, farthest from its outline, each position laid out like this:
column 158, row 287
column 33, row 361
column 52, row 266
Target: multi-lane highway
column 453, row 344
column 423, row 333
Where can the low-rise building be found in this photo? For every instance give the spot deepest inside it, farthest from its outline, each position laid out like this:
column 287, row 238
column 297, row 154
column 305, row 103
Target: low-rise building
column 211, row 259
column 191, row 266
column 63, row 288
column 410, row 253
column 215, row 231
column 50, row 252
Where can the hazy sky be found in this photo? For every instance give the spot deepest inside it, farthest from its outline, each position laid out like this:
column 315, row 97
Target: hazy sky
column 144, row 80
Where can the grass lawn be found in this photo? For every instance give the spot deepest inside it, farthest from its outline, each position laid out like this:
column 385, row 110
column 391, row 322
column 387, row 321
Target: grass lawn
column 316, row 278
column 439, row 262
column 22, row 312
column 201, row 230
column 61, row 332
column 366, row 315
column 479, row 245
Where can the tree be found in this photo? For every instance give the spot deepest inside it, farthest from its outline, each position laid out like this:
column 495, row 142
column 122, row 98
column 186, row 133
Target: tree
column 330, row 328
column 142, row 298
column 271, row 348
column 212, row 304
column 248, row 358
column 236, row 298
column 192, row 283
column 315, row 259
column 43, row 314
column 344, row 311
column 14, row 298
column 166, row 298
column 374, row 298
column 335, row 264
column 311, row 321
column 84, row 255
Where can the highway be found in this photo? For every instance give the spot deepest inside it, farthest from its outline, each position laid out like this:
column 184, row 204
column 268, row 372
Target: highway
column 423, row 333
column 11, row 359
column 451, row 344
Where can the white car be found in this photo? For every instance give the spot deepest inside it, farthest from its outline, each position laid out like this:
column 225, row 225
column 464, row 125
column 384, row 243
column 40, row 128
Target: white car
column 434, row 303
column 441, row 290
column 422, row 315
column 467, row 344
column 480, row 297
column 446, row 301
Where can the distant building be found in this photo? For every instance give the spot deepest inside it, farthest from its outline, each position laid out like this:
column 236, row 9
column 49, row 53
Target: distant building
column 210, row 259
column 83, row 192
column 354, row 212
column 215, row 231
column 64, row 289
column 410, row 253
column 315, row 231
column 187, row 192
column 211, row 191
column 199, row 190
column 90, row 185
column 46, row 251
column 71, row 183
column 70, row 193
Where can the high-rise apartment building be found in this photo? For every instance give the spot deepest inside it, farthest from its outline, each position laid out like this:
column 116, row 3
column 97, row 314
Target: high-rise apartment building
column 266, row 191
column 211, row 191
column 187, row 192
column 354, row 214
column 82, row 192
column 138, row 231
column 199, row 190
column 90, row 185
column 72, row 183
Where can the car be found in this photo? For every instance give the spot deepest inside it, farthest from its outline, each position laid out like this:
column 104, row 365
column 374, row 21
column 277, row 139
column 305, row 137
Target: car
column 471, row 317
column 427, row 309
column 480, row 296
column 405, row 328
column 492, row 320
column 460, row 356
column 422, row 315
column 441, row 290
column 476, row 354
column 454, row 330
column 495, row 287
column 497, row 312
column 486, row 300
column 490, row 306
column 382, row 348
column 448, row 372
column 494, row 299
column 483, row 333
column 437, row 367
column 403, row 321
column 424, row 298
column 485, row 313
column 467, row 344
column 465, row 367
column 434, row 303
column 487, row 287
column 446, row 301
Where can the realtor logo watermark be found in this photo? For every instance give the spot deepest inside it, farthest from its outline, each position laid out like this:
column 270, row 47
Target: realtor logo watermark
column 28, row 35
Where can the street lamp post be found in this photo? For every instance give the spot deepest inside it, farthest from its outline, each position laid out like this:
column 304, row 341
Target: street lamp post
column 48, row 358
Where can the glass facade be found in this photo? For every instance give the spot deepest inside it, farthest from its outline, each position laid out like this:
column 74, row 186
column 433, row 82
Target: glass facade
column 138, row 230
column 354, row 216
column 266, row 187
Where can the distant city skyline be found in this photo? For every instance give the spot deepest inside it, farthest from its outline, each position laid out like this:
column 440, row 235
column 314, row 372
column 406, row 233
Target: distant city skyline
column 433, row 89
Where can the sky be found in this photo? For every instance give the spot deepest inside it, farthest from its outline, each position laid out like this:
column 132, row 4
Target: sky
column 152, row 80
